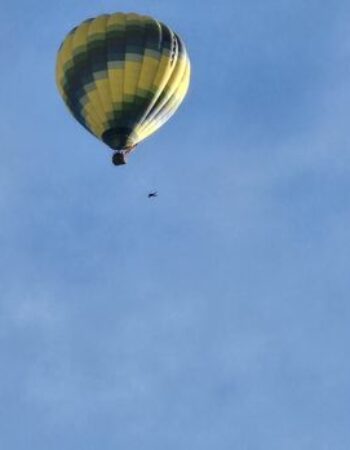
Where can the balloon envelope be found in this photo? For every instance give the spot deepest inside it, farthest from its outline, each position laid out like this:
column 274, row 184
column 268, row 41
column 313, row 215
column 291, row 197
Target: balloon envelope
column 122, row 76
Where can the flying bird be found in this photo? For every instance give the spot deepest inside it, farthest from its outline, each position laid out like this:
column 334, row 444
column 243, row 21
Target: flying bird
column 153, row 194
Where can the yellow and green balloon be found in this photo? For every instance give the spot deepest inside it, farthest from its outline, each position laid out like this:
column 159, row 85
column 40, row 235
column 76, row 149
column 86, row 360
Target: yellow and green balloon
column 122, row 76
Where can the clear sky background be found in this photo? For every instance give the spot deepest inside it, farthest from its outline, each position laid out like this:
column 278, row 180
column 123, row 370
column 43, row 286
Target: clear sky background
column 217, row 315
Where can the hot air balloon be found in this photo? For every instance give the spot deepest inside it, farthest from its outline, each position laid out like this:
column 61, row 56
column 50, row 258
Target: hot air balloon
column 122, row 76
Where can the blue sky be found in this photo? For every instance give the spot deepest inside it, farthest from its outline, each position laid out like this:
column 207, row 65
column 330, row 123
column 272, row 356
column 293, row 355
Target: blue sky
column 216, row 316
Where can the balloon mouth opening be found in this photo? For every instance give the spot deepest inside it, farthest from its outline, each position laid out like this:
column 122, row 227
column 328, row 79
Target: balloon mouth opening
column 118, row 138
